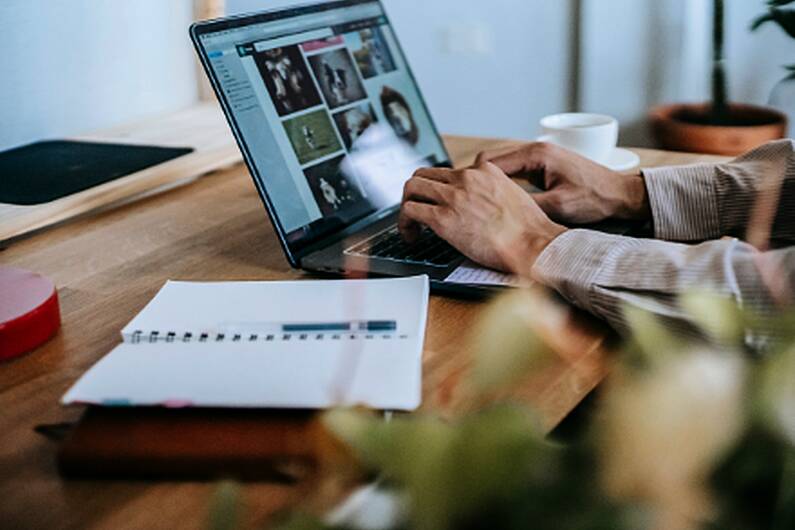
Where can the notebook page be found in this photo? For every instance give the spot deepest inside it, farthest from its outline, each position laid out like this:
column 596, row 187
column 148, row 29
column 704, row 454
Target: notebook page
column 470, row 273
column 380, row 369
column 241, row 307
column 381, row 374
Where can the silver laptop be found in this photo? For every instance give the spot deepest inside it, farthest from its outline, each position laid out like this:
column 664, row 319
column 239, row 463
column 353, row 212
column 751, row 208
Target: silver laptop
column 331, row 123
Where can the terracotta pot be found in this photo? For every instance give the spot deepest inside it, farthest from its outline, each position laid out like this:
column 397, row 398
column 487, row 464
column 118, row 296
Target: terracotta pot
column 685, row 127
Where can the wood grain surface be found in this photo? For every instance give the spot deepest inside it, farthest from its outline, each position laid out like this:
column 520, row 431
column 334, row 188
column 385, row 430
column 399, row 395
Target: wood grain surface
column 108, row 266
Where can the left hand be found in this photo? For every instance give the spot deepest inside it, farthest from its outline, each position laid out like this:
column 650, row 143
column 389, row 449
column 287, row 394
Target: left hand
column 576, row 189
column 480, row 211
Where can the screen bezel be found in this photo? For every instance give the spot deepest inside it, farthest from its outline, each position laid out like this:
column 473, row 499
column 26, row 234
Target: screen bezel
column 295, row 251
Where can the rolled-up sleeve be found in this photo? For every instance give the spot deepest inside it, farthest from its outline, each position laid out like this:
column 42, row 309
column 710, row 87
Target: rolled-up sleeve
column 683, row 202
column 701, row 202
column 603, row 273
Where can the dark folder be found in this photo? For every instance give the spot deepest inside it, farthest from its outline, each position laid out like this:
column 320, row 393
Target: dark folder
column 196, row 444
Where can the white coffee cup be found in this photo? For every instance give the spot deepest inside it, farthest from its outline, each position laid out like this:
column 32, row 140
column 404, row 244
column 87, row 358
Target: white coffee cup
column 594, row 136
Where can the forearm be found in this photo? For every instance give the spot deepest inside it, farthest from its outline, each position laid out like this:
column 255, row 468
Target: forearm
column 603, row 273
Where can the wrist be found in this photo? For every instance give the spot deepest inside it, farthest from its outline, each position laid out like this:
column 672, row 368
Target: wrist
column 537, row 243
column 635, row 199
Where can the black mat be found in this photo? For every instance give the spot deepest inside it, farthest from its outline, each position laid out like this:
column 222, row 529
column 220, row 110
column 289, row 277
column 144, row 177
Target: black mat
column 46, row 171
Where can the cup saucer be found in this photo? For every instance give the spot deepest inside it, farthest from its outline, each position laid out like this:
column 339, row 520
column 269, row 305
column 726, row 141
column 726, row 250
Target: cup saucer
column 622, row 160
column 619, row 160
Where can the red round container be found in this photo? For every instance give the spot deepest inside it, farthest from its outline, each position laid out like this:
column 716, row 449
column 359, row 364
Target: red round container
column 29, row 312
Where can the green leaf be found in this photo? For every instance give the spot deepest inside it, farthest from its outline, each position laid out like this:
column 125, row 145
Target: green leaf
column 302, row 521
column 225, row 507
column 365, row 433
column 719, row 316
column 779, row 3
column 781, row 326
column 784, row 515
column 761, row 20
column 652, row 342
column 485, row 459
column 776, row 391
column 785, row 18
column 747, row 483
column 451, row 471
column 507, row 346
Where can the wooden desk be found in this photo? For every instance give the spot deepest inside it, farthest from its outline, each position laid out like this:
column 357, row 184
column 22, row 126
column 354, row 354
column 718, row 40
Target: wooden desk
column 109, row 265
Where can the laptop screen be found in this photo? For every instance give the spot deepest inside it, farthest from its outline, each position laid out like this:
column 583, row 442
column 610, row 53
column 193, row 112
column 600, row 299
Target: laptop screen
column 327, row 109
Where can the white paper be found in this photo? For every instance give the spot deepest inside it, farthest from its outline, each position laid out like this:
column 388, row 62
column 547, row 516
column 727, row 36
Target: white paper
column 381, row 374
column 471, row 273
column 382, row 370
column 208, row 307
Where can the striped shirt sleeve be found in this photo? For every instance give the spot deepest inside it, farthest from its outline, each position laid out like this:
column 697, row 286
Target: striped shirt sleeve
column 701, row 202
column 601, row 273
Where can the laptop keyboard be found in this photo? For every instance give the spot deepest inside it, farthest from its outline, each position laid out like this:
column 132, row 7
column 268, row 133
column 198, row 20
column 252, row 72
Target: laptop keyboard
column 428, row 250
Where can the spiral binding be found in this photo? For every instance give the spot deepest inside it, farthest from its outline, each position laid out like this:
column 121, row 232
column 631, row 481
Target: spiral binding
column 139, row 336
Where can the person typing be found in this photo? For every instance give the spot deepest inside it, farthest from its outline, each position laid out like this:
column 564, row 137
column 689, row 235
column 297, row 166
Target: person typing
column 729, row 227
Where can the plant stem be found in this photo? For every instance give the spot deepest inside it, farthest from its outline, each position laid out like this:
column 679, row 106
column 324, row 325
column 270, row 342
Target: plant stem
column 719, row 88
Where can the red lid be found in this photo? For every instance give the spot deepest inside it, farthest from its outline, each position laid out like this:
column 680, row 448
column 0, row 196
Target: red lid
column 29, row 312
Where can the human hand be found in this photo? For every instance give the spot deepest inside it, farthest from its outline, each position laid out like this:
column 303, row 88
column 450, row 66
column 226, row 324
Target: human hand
column 576, row 189
column 480, row 211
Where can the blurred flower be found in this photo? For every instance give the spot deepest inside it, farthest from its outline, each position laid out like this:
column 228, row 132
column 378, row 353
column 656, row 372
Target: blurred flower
column 661, row 432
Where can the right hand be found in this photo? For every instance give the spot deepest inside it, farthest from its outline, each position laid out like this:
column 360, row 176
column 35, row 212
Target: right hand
column 576, row 190
column 481, row 212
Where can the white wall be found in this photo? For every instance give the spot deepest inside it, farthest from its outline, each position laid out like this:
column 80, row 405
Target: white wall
column 634, row 54
column 70, row 66
column 506, row 67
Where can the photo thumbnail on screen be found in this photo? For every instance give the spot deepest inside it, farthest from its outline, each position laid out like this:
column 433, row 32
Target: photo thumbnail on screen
column 337, row 76
column 336, row 194
column 312, row 136
column 400, row 116
column 287, row 79
column 353, row 123
column 373, row 55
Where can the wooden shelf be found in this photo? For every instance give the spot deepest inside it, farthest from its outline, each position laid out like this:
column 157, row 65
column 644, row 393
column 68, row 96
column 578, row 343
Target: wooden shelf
column 202, row 127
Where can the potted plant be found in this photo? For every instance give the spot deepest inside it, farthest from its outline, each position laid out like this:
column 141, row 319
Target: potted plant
column 719, row 126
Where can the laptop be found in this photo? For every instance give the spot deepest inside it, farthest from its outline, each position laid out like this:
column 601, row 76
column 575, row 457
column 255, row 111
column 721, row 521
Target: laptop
column 331, row 124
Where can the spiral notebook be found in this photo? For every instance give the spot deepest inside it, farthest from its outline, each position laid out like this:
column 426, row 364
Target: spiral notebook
column 303, row 345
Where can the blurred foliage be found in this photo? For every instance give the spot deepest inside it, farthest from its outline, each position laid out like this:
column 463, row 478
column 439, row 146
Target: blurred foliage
column 487, row 467
column 688, row 434
column 507, row 346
